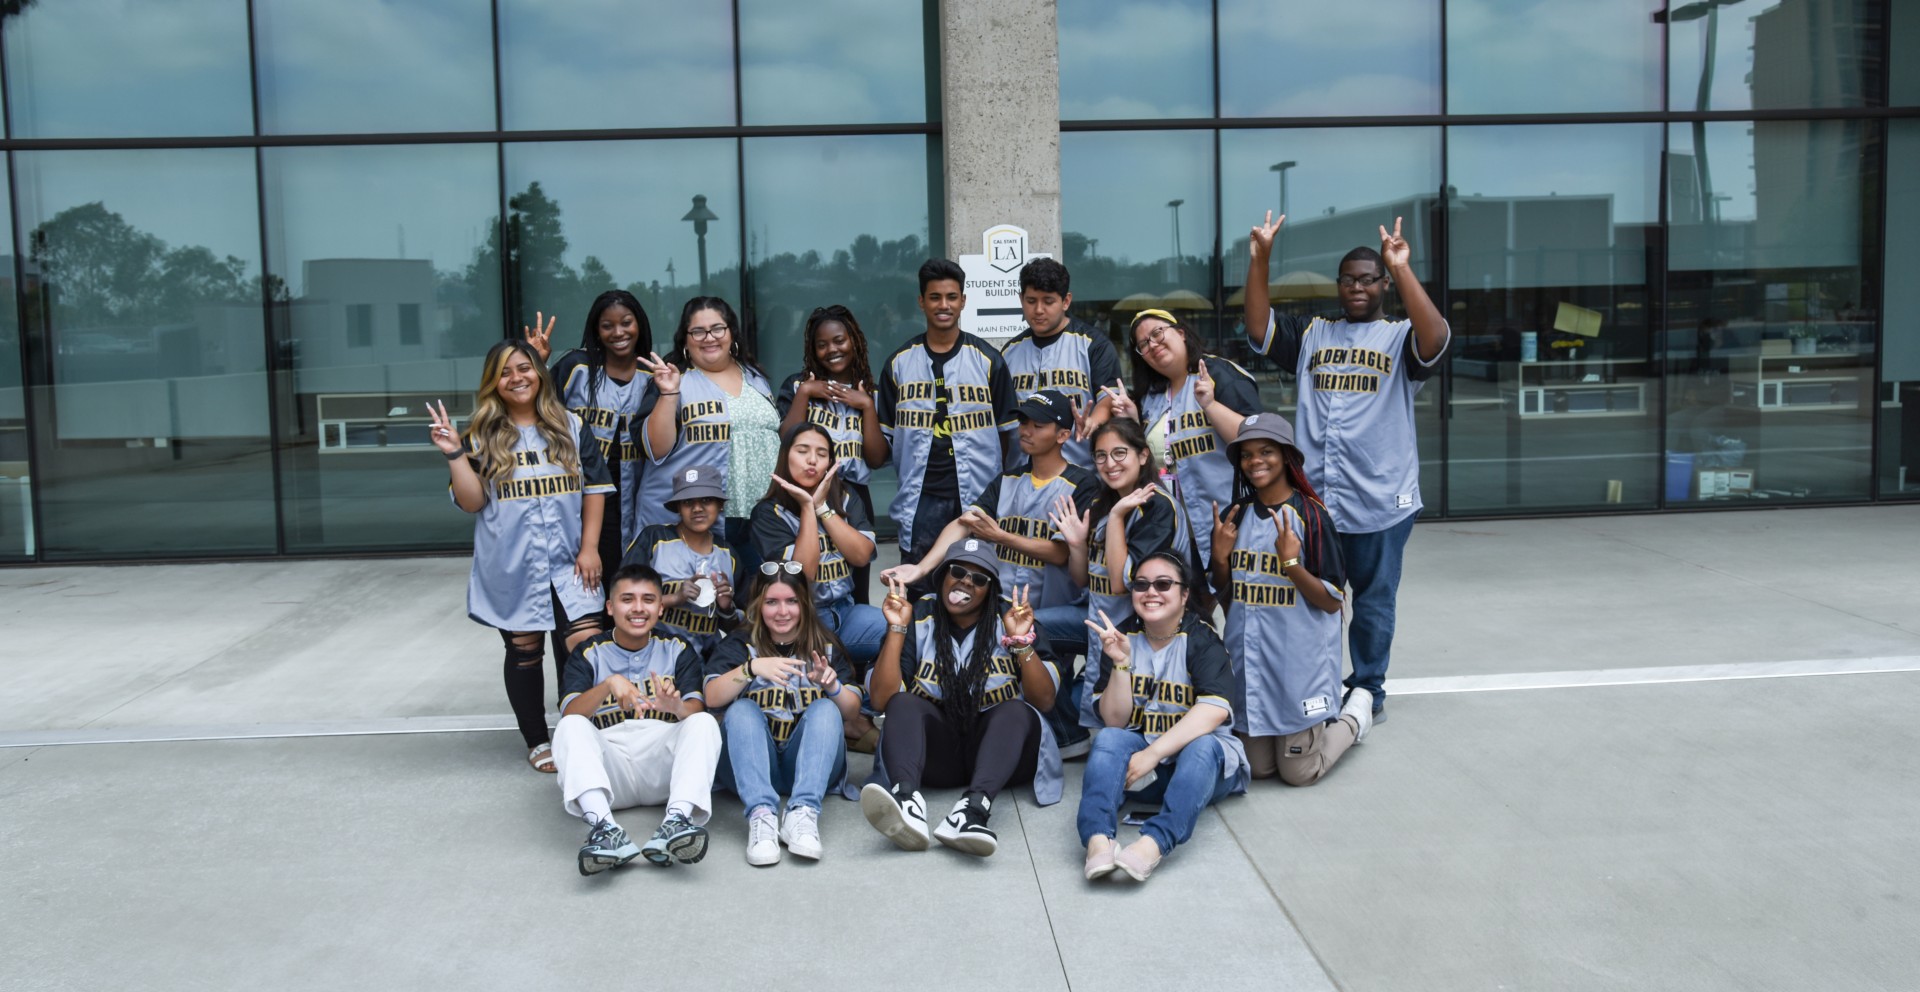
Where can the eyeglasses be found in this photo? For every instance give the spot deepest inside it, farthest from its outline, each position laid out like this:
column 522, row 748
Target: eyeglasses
column 1114, row 455
column 1157, row 584
column 972, row 577
column 1364, row 282
column 1152, row 338
column 707, row 333
column 776, row 567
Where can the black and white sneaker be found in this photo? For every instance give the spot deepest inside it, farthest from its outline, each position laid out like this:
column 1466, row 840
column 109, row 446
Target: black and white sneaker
column 901, row 816
column 965, row 828
column 607, row 846
column 678, row 839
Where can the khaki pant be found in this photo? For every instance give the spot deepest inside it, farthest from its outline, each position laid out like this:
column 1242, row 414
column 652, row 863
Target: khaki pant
column 1304, row 757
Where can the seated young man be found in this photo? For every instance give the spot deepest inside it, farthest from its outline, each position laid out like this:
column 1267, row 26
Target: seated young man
column 1011, row 514
column 628, row 736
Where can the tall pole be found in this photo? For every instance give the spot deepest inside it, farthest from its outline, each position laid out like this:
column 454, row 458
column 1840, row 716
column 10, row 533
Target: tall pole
column 700, row 216
column 1281, row 168
column 1175, row 204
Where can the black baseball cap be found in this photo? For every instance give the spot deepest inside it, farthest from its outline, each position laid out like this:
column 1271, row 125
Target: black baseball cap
column 1048, row 406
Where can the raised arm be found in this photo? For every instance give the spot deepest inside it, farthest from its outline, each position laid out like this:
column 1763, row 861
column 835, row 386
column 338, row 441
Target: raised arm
column 1258, row 306
column 1429, row 327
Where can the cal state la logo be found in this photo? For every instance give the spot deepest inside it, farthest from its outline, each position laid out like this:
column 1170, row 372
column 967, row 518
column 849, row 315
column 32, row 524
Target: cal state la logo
column 693, row 475
column 1006, row 248
column 1250, row 421
column 972, row 544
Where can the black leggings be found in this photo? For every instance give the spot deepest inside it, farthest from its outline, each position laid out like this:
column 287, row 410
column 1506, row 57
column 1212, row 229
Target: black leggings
column 1002, row 747
column 862, row 575
column 523, row 673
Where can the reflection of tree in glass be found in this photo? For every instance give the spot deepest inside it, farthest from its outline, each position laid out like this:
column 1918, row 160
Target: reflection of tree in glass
column 100, row 270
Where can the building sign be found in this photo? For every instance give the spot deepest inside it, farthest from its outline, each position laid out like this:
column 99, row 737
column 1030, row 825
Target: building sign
column 993, row 284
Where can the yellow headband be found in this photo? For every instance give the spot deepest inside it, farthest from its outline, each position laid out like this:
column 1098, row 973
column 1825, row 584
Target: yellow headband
column 1162, row 314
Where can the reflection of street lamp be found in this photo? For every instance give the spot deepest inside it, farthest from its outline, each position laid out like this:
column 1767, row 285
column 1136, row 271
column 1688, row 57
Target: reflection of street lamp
column 1709, row 9
column 1175, row 204
column 700, row 215
column 1281, row 168
column 670, row 282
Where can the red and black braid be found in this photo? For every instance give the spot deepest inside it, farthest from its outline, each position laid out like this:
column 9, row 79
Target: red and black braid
column 1314, row 518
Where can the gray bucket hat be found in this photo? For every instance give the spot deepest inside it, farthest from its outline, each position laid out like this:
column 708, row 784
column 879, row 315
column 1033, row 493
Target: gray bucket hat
column 695, row 482
column 1264, row 426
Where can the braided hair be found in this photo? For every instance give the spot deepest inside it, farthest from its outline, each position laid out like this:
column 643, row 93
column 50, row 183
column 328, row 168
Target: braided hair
column 961, row 689
column 590, row 338
column 860, row 369
column 1313, row 512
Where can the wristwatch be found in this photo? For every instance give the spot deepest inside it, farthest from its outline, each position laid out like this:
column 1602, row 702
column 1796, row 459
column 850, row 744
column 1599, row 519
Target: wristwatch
column 1289, row 563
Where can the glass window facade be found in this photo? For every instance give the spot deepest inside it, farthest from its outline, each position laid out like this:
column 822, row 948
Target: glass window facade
column 1655, row 311
column 240, row 274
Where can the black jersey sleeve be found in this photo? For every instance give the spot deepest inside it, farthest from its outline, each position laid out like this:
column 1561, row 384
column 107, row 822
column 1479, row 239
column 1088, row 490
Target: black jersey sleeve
column 783, row 400
column 593, row 462
column 768, row 532
column 689, row 672
column 1207, row 663
column 1151, row 528
column 1233, row 387
column 727, row 655
column 1417, row 370
column 1284, row 345
column 1000, row 385
column 988, row 501
column 576, row 676
column 1103, row 361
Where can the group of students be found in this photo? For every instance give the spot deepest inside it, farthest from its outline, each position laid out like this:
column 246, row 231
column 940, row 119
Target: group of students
column 698, row 546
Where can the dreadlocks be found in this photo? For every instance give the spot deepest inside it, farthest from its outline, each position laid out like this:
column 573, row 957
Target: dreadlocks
column 961, row 688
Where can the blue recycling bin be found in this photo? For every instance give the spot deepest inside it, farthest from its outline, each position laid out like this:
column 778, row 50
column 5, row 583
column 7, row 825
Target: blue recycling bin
column 1679, row 475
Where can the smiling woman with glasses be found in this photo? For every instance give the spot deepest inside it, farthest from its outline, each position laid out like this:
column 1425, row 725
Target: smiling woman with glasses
column 1165, row 694
column 963, row 685
column 1191, row 404
column 706, row 403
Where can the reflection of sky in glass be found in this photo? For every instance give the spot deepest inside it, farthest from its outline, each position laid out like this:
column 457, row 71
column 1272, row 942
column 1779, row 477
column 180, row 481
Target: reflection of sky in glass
column 615, row 63
column 1114, row 188
column 1123, row 59
column 363, row 66
column 438, row 201
column 819, row 194
column 1905, row 37
column 1799, row 53
column 129, row 68
column 621, row 202
column 832, row 62
column 1361, row 174
column 1794, row 186
column 1729, row 163
column 185, row 197
column 1617, row 160
column 1543, row 56
column 1309, row 58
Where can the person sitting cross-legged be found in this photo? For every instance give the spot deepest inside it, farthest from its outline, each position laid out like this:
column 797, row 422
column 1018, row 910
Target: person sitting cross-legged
column 628, row 735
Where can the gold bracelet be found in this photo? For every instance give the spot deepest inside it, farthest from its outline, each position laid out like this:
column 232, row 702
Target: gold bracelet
column 1289, row 563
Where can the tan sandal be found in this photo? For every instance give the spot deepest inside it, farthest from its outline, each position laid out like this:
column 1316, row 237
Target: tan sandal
column 541, row 758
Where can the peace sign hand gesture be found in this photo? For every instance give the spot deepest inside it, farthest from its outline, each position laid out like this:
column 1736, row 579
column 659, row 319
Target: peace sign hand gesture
column 1393, row 247
column 1260, row 239
column 540, row 337
column 1123, row 405
column 1112, row 643
column 1082, row 426
column 1018, row 620
column 897, row 607
column 821, row 673
column 1203, row 385
column 666, row 377
column 441, row 433
column 1285, row 542
column 1226, row 533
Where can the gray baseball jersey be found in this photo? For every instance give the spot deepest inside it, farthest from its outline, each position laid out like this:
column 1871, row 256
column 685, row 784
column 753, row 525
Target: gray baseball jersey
column 1078, row 361
column 1021, row 502
column 1156, row 525
column 701, row 438
column 843, row 423
column 601, row 655
column 607, row 406
column 1191, row 670
column 772, row 528
column 1285, row 651
column 920, row 675
column 1355, row 419
column 1195, row 453
column 782, row 702
column 662, row 547
column 527, row 535
column 979, row 405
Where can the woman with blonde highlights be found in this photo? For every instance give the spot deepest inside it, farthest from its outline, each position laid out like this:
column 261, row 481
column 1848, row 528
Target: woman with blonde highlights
column 536, row 483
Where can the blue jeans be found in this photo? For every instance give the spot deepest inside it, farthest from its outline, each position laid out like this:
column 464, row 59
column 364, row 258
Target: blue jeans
column 1373, row 570
column 812, row 760
column 1192, row 784
column 1065, row 628
column 861, row 629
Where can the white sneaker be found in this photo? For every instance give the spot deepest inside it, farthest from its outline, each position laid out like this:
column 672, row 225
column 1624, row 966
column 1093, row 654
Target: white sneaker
column 800, row 831
column 763, row 838
column 1360, row 707
column 965, row 829
column 901, row 817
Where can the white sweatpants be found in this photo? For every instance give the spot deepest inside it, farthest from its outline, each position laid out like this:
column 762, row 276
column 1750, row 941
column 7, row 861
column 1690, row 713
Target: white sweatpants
column 639, row 762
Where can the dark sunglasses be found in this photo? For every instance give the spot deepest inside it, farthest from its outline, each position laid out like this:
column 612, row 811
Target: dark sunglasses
column 972, row 577
column 1160, row 584
column 776, row 567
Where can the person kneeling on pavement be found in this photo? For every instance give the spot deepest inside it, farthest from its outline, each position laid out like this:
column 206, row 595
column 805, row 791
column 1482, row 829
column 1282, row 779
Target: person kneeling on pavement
column 781, row 680
column 962, row 690
column 628, row 736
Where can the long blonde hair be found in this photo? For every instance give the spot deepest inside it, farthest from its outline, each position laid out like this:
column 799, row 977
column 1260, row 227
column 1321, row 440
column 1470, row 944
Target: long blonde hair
column 491, row 433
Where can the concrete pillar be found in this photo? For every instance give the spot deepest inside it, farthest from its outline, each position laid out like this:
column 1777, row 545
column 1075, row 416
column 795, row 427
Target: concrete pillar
column 1000, row 115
